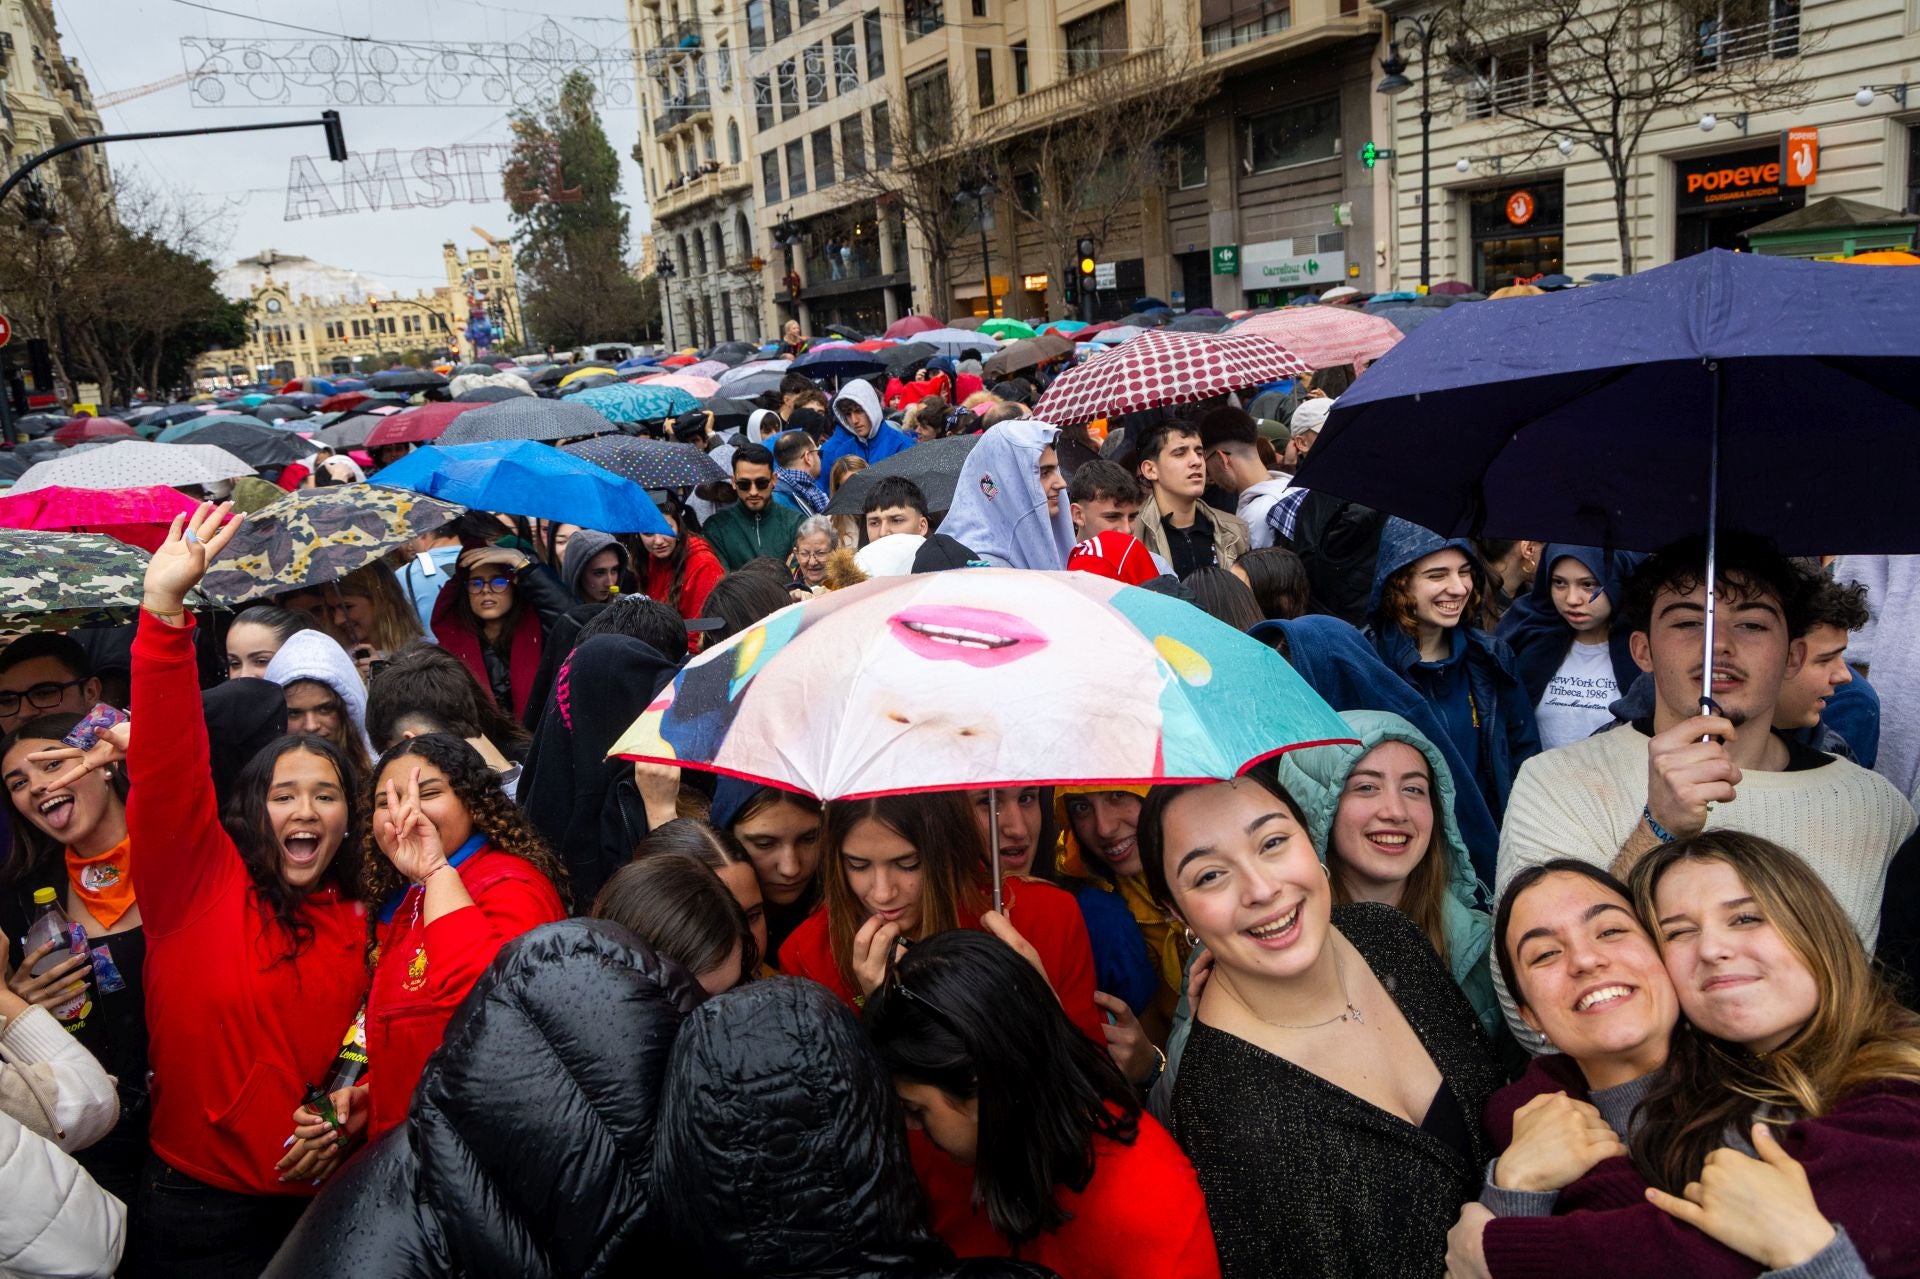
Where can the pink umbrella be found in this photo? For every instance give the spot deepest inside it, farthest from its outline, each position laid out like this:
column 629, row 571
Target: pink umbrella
column 1324, row 336
column 417, row 425
column 700, row 388
column 1159, row 368
column 138, row 516
column 706, row 368
column 908, row 325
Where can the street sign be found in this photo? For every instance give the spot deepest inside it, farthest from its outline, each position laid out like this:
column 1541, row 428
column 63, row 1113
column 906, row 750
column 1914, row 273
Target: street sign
column 1104, row 277
column 6, row 330
column 1226, row 259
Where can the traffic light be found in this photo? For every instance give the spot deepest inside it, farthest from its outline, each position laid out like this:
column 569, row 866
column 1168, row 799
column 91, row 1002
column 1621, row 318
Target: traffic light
column 1086, row 258
column 374, row 303
column 1070, row 285
column 336, row 137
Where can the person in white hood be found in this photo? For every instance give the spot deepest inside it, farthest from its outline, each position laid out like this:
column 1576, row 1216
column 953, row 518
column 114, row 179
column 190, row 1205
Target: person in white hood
column 324, row 694
column 862, row 430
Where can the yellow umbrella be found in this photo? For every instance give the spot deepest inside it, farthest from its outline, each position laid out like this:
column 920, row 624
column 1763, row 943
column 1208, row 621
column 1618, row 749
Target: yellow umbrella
column 1884, row 257
column 589, row 371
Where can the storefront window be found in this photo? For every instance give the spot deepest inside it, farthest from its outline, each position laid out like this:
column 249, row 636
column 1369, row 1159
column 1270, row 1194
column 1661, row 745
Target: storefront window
column 1517, row 233
column 1716, row 197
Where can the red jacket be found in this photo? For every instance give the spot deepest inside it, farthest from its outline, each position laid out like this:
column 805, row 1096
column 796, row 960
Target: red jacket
column 523, row 657
column 237, row 1029
column 1142, row 1213
column 703, row 570
column 423, row 971
column 1046, row 916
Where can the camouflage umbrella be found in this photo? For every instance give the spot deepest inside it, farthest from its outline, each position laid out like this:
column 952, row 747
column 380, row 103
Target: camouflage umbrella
column 54, row 581
column 319, row 535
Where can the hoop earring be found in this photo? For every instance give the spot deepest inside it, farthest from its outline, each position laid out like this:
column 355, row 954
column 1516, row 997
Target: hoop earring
column 1328, row 873
column 1193, row 942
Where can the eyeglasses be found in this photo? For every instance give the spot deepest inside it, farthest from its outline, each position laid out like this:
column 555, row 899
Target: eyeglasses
column 495, row 584
column 42, row 697
column 810, row 555
column 750, row 484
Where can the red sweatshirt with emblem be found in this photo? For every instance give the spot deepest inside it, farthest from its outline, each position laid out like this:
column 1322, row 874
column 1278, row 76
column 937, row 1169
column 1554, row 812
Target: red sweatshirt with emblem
column 426, row 969
column 238, row 1029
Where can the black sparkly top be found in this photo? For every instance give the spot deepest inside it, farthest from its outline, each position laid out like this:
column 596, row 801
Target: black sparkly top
column 1303, row 1179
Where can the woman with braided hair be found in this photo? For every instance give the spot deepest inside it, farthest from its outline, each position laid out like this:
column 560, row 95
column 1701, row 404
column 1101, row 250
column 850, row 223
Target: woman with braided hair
column 451, row 872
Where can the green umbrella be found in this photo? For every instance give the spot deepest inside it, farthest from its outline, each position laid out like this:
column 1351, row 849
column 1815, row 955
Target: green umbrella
column 1004, row 328
column 55, row 581
column 320, row 535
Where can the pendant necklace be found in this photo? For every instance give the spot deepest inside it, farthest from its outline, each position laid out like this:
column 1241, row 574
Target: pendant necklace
column 1351, row 1014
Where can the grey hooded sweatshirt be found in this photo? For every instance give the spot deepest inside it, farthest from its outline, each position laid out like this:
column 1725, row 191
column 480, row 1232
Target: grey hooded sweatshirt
column 999, row 511
column 581, row 548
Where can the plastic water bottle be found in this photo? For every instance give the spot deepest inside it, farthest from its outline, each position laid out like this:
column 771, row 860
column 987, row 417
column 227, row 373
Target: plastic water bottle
column 52, row 925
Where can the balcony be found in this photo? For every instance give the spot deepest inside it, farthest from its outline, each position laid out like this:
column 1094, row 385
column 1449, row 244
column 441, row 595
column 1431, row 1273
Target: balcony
column 1068, row 95
column 678, row 37
column 1728, row 41
column 682, row 110
column 695, row 189
column 1297, row 27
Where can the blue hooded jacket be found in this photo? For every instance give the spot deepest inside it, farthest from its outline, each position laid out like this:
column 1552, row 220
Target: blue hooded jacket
column 999, row 510
column 882, row 444
column 1540, row 637
column 1339, row 664
column 1492, row 697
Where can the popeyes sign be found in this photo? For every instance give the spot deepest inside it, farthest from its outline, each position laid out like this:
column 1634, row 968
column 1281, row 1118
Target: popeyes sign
column 1749, row 178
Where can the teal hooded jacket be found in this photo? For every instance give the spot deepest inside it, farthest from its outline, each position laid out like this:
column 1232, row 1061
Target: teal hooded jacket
column 1316, row 778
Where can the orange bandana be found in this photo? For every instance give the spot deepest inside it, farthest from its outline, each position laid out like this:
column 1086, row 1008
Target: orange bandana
column 104, row 883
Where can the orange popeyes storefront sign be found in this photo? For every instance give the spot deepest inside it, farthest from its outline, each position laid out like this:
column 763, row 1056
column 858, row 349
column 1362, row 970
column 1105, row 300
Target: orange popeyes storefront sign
column 1737, row 182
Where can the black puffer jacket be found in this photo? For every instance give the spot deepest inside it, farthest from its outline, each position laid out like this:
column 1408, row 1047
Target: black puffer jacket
column 781, row 1153
column 529, row 1147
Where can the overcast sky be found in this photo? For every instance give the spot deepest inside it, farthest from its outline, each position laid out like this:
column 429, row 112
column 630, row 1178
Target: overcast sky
column 123, row 44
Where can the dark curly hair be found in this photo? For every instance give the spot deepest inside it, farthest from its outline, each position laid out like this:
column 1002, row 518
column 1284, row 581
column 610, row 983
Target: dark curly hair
column 251, row 829
column 478, row 790
column 1397, row 603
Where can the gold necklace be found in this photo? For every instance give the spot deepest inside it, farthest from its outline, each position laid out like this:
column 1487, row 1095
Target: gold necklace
column 1351, row 1014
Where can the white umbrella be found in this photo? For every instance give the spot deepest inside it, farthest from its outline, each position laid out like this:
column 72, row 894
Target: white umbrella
column 133, row 463
column 954, row 343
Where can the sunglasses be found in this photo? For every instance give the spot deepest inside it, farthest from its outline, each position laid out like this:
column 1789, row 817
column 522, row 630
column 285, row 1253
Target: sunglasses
column 750, row 484
column 489, row 583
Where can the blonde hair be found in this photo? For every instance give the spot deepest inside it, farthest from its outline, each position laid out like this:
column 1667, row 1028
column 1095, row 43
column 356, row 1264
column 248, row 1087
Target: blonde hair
column 1423, row 898
column 395, row 623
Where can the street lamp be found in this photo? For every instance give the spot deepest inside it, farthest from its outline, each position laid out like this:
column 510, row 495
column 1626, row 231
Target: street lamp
column 1408, row 34
column 664, row 270
column 979, row 189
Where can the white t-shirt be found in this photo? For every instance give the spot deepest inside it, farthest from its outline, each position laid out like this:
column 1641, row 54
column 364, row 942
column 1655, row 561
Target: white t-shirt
column 1577, row 697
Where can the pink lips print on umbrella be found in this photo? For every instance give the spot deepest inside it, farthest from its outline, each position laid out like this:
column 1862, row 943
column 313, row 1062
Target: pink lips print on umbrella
column 955, row 633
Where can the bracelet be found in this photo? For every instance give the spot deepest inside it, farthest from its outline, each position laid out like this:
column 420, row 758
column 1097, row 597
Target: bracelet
column 169, row 618
column 1158, row 1070
column 1659, row 832
column 435, row 871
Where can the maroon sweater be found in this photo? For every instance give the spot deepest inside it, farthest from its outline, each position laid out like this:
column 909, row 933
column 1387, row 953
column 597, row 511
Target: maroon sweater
column 1862, row 1158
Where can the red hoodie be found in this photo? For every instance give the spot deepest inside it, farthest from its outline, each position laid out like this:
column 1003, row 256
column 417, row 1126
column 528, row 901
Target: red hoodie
column 1046, row 916
column 1141, row 1214
column 703, row 570
column 523, row 657
column 237, row 1029
column 423, row 970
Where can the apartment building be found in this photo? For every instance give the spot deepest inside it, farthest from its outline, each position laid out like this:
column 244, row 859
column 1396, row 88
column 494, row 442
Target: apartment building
column 44, row 98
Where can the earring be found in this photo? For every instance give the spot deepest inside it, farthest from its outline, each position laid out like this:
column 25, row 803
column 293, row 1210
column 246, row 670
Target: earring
column 1193, row 942
column 1326, row 872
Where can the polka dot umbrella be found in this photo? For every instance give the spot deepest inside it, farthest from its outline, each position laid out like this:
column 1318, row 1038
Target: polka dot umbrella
column 1159, row 368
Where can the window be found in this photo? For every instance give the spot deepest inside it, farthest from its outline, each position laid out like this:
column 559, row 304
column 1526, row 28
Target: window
column 846, row 62
column 733, row 142
column 983, row 75
column 756, row 24
column 882, row 137
column 1190, row 160
column 822, row 159
column 979, row 8
column 853, row 146
column 813, row 60
column 789, row 90
column 929, row 108
column 1239, row 31
column 806, row 11
column 876, row 50
column 726, row 66
column 706, row 144
column 796, row 167
column 1913, row 170
column 1097, row 39
column 924, row 17
column 770, row 175
column 782, row 20
column 1745, row 31
column 1511, row 78
column 1294, row 135
column 762, row 102
column 1020, row 81
column 1026, row 193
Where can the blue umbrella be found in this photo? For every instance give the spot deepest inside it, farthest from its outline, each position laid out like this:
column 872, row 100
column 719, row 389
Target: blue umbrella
column 1405, row 316
column 1630, row 414
column 628, row 402
column 521, row 477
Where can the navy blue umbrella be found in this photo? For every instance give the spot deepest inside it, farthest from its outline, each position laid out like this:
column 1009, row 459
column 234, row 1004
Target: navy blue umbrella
column 1774, row 395
column 838, row 362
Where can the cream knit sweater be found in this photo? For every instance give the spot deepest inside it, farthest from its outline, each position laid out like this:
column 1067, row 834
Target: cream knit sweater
column 1583, row 801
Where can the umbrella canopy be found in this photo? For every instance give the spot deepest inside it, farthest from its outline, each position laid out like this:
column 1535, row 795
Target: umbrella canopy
column 839, row 362
column 934, row 466
column 1451, row 286
column 488, row 395
column 484, row 370
column 728, row 412
column 258, row 446
column 731, row 353
column 544, row 374
column 1003, row 327
column 341, row 401
column 319, row 535
column 908, row 325
column 122, row 464
column 1147, row 319
column 635, row 402
column 135, row 515
column 907, row 354
column 954, row 343
column 316, row 385
column 1118, row 333
column 708, row 368
column 352, row 432
column 1064, row 326
column 520, row 477
column 968, row 322
column 349, row 384
column 846, row 331
column 523, row 418
column 698, row 387
column 81, row 429
column 1025, row 353
column 652, row 464
column 272, row 413
column 56, row 581
column 415, row 425
column 586, row 371
column 35, row 425
column 1588, row 416
column 680, row 361
column 378, row 402
column 1198, row 324
column 1880, row 257
column 1161, row 368
column 588, row 382
column 755, row 382
column 1404, row 316
column 885, row 688
column 407, row 380
column 1324, row 336
column 750, row 368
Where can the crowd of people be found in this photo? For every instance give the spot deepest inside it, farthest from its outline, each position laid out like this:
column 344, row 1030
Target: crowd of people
column 336, row 941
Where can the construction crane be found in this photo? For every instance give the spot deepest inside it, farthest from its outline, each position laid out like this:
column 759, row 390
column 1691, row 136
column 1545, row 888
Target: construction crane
column 118, row 96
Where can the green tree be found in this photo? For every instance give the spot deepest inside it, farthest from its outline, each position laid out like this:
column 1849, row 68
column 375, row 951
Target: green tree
column 563, row 183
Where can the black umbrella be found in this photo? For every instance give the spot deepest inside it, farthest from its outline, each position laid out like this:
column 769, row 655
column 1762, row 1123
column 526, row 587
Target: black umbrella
column 729, row 412
column 588, row 382
column 407, row 380
column 280, row 413
column 546, row 374
column 35, row 425
column 732, row 353
column 908, row 354
column 846, row 331
column 1147, row 320
column 653, row 464
column 526, row 418
column 934, row 466
column 1199, row 324
column 489, row 395
column 255, row 444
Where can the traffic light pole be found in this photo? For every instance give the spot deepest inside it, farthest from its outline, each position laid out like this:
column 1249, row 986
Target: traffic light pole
column 336, row 150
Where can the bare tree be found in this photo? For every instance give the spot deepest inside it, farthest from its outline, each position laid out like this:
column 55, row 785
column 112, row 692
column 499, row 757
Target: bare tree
column 1084, row 165
column 1602, row 72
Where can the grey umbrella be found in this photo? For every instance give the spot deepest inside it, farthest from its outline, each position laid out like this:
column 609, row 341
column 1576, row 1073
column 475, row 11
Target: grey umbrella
column 488, row 395
column 908, row 354
column 524, row 418
column 1199, row 324
column 934, row 466
column 123, row 464
column 253, row 443
column 748, row 385
column 653, row 464
column 407, row 380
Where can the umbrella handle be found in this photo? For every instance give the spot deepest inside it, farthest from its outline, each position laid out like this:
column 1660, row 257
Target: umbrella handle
column 1707, row 704
column 993, row 824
